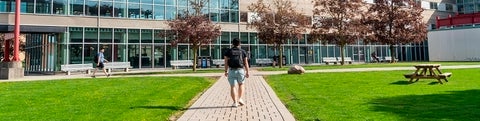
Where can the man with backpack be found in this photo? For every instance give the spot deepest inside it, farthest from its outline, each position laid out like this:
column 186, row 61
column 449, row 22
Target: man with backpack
column 99, row 61
column 236, row 69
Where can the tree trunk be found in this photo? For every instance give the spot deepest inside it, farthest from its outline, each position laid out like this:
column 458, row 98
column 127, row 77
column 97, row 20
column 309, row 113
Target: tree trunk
column 392, row 53
column 342, row 54
column 195, row 56
column 280, row 58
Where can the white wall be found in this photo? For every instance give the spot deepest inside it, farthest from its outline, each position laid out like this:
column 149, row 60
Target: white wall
column 454, row 45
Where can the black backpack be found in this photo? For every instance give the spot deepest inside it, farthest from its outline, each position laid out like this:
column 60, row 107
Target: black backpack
column 236, row 58
column 95, row 58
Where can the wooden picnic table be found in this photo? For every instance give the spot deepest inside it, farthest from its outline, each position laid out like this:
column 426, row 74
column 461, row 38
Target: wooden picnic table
column 428, row 71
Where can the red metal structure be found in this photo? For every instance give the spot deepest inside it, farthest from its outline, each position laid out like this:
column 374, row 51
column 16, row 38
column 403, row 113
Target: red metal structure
column 463, row 19
column 16, row 45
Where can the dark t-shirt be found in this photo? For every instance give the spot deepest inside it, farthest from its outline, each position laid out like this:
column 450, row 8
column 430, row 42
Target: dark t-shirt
column 228, row 53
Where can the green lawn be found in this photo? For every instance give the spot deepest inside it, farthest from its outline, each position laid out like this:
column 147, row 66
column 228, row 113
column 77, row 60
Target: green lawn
column 141, row 98
column 368, row 65
column 182, row 71
column 385, row 96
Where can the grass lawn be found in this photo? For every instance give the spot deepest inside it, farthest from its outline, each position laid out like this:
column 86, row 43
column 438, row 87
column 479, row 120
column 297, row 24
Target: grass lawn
column 140, row 98
column 385, row 96
column 368, row 65
column 183, row 71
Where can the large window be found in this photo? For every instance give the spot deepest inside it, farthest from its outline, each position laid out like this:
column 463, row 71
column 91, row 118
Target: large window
column 43, row 6
column 119, row 10
column 76, row 7
column 60, row 7
column 91, row 8
column 133, row 10
column 27, row 6
column 147, row 11
column 106, row 9
column 159, row 12
column 170, row 12
column 91, row 35
column 76, row 35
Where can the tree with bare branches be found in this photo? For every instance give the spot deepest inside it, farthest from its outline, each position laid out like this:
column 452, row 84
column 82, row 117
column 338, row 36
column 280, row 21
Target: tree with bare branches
column 337, row 22
column 395, row 22
column 277, row 25
column 193, row 28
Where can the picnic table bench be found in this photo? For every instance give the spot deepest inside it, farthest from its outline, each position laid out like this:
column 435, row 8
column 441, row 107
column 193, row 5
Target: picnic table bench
column 328, row 60
column 177, row 63
column 263, row 61
column 76, row 67
column 427, row 71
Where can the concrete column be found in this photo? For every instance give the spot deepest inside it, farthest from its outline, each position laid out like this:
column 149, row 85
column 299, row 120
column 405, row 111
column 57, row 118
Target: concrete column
column 11, row 70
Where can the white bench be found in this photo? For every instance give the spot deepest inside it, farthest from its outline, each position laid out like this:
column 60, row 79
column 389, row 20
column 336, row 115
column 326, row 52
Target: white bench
column 328, row 60
column 218, row 62
column 347, row 59
column 263, row 61
column 176, row 63
column 388, row 59
column 76, row 67
column 122, row 65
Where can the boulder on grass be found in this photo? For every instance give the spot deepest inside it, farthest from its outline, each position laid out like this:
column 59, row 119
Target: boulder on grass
column 296, row 69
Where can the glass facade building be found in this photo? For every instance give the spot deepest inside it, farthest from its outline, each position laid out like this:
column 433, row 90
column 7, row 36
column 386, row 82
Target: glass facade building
column 49, row 46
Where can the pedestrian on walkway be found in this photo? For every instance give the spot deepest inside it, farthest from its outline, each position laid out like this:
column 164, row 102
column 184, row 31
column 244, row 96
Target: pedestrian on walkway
column 100, row 61
column 236, row 69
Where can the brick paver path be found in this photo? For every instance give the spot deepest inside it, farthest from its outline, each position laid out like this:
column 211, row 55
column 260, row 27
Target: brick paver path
column 262, row 104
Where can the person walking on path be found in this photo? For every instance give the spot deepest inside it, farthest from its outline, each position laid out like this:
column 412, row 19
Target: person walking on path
column 236, row 69
column 99, row 61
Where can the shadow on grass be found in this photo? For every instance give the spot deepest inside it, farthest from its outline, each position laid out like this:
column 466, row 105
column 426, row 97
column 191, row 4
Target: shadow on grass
column 178, row 108
column 159, row 107
column 401, row 82
column 455, row 105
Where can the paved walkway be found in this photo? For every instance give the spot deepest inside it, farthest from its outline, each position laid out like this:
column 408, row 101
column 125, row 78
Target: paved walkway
column 262, row 104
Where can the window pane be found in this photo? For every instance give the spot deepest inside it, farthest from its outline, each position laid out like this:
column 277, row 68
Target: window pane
column 76, row 35
column 160, row 1
column 147, row 1
column 60, row 6
column 4, row 4
column 133, row 10
column 43, row 6
column 133, row 55
column 234, row 4
column 147, row 36
column 119, row 35
column 133, row 1
column 120, row 10
column 91, row 8
column 224, row 16
column 159, row 12
column 106, row 9
column 214, row 4
column 225, row 38
column 105, row 35
column 224, row 4
column 234, row 16
column 133, row 36
column 170, row 2
column 76, row 7
column 75, row 53
column 170, row 13
column 214, row 14
column 183, row 3
column 27, row 6
column 157, row 35
column 147, row 11
column 91, row 35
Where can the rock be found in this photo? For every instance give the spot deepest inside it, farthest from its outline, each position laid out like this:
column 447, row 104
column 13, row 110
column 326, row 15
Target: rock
column 296, row 69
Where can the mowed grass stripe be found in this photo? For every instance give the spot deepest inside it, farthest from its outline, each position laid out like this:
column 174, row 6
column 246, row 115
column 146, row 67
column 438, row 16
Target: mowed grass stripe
column 136, row 98
column 379, row 96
